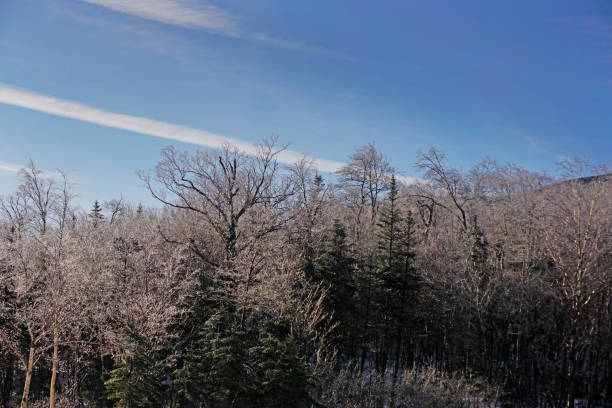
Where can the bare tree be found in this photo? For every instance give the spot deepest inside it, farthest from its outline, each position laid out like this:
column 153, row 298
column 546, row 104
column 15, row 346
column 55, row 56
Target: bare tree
column 117, row 208
column 222, row 186
column 457, row 189
column 56, row 251
column 365, row 180
column 24, row 309
column 310, row 207
column 35, row 257
column 243, row 199
column 577, row 233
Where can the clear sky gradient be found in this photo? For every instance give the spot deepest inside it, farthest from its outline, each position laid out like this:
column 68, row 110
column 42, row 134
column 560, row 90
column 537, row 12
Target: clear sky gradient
column 527, row 82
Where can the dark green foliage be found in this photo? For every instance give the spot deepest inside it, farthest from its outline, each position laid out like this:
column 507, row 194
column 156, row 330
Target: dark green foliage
column 220, row 369
column 396, row 246
column 135, row 381
column 189, row 368
column 335, row 269
column 226, row 358
column 190, row 344
column 280, row 372
column 397, row 280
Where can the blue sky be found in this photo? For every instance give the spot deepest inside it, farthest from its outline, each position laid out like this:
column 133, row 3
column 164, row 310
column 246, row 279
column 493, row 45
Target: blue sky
column 521, row 81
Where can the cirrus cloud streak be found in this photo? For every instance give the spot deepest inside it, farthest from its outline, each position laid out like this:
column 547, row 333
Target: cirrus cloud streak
column 202, row 17
column 11, row 95
column 190, row 15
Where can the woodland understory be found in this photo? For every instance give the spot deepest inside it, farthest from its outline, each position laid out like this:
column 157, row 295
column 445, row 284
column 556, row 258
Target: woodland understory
column 257, row 284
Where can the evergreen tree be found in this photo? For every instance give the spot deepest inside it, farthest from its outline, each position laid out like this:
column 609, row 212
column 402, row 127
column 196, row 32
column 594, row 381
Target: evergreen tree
column 135, row 382
column 189, row 341
column 396, row 277
column 389, row 235
column 190, row 373
column 225, row 357
column 281, row 378
column 209, row 361
column 405, row 287
column 335, row 269
column 95, row 214
column 189, row 369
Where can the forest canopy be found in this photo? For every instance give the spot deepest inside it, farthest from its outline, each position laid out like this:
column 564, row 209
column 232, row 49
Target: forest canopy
column 255, row 284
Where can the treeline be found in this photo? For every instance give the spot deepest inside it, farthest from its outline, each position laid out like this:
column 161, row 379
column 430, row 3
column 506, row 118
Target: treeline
column 261, row 285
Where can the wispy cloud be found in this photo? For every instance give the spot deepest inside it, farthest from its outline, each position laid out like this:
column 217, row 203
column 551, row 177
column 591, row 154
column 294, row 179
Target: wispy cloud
column 206, row 18
column 298, row 46
column 74, row 110
column 188, row 15
column 10, row 168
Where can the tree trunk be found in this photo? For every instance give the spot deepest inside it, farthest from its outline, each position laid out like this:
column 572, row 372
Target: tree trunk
column 54, row 368
column 26, row 387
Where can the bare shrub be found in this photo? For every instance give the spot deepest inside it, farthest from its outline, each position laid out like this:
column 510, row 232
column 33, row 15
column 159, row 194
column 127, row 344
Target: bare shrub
column 416, row 388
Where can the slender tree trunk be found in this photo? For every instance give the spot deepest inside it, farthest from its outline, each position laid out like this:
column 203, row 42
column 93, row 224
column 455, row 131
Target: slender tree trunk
column 54, row 367
column 26, row 387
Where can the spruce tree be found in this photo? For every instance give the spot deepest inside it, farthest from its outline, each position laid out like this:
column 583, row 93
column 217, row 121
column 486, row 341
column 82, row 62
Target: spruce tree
column 396, row 277
column 389, row 235
column 96, row 213
column 190, row 345
column 189, row 368
column 335, row 269
column 280, row 373
column 405, row 288
column 225, row 356
column 135, row 382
